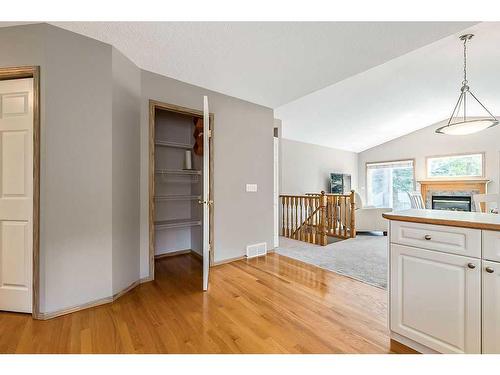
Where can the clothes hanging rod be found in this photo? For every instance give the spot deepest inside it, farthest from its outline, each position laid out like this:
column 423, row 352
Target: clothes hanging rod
column 173, row 144
column 190, row 172
column 177, row 223
column 173, row 197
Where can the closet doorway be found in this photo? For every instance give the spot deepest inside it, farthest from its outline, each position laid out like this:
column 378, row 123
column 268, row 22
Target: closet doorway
column 180, row 183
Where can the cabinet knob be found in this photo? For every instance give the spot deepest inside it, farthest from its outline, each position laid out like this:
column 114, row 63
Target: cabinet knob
column 489, row 270
column 471, row 266
column 428, row 237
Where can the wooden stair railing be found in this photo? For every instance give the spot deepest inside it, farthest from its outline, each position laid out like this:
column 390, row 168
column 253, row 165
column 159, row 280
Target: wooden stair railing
column 302, row 218
column 307, row 221
column 313, row 217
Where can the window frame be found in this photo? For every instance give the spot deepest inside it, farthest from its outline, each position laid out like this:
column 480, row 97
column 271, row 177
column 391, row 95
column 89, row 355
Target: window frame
column 450, row 178
column 413, row 160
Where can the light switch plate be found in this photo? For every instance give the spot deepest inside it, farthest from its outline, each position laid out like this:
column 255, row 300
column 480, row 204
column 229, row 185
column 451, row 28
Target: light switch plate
column 251, row 188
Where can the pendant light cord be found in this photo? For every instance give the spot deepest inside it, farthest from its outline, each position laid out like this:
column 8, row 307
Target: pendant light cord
column 464, row 83
column 465, row 62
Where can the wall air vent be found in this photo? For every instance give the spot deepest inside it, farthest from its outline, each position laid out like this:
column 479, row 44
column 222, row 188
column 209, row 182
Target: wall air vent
column 256, row 250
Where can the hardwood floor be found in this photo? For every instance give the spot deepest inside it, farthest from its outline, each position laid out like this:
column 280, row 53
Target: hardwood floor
column 272, row 304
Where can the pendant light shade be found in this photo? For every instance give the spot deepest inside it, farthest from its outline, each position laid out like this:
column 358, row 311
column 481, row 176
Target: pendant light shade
column 467, row 127
column 459, row 123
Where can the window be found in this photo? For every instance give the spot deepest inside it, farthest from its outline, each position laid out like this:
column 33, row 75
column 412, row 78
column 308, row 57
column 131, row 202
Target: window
column 467, row 165
column 388, row 183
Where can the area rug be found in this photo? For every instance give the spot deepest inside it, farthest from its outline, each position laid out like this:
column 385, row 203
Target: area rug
column 363, row 258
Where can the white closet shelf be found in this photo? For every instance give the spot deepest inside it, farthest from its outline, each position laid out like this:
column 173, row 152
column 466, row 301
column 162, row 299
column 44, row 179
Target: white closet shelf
column 177, row 223
column 173, row 144
column 188, row 172
column 177, row 197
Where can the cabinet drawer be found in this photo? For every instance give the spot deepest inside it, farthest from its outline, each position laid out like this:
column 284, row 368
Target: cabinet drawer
column 491, row 245
column 453, row 240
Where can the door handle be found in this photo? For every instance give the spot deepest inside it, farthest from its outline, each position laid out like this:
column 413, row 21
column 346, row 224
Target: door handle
column 471, row 266
column 489, row 270
column 428, row 237
column 206, row 202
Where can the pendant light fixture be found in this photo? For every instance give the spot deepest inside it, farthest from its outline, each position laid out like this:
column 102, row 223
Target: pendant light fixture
column 459, row 124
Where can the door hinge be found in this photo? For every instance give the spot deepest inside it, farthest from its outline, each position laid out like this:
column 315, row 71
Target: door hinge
column 209, row 133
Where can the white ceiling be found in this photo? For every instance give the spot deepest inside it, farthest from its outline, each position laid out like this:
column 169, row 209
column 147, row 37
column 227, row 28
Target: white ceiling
column 403, row 95
column 268, row 63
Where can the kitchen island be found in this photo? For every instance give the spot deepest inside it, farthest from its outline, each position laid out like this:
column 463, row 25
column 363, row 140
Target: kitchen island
column 444, row 281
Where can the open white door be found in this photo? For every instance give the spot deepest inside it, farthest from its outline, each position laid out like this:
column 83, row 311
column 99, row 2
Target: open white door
column 206, row 192
column 276, row 191
column 16, row 194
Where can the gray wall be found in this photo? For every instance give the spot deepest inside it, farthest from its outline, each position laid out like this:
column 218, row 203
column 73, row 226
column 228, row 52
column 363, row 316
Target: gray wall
column 76, row 186
column 306, row 167
column 126, row 165
column 425, row 142
column 243, row 153
column 76, row 176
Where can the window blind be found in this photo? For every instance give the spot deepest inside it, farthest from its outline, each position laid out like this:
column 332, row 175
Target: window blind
column 391, row 164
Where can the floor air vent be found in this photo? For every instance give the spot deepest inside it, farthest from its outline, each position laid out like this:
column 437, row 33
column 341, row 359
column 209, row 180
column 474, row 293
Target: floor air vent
column 256, row 250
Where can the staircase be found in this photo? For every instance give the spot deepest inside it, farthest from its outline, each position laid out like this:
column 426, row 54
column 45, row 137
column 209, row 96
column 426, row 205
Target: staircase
column 313, row 217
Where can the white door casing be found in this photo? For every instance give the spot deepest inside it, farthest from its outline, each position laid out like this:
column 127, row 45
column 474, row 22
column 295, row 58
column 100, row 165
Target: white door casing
column 16, row 195
column 206, row 192
column 436, row 299
column 491, row 307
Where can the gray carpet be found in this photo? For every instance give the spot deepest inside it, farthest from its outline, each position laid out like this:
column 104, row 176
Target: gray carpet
column 363, row 258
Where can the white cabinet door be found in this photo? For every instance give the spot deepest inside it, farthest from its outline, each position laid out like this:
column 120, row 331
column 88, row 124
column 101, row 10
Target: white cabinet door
column 16, row 194
column 436, row 299
column 491, row 307
column 491, row 245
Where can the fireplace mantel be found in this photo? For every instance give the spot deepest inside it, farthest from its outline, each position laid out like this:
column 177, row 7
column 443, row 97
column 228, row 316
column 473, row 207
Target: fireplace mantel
column 453, row 185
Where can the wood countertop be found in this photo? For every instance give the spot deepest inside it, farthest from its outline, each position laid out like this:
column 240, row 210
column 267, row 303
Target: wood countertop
column 476, row 220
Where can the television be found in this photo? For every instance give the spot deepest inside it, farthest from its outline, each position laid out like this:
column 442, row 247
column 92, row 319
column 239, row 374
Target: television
column 340, row 183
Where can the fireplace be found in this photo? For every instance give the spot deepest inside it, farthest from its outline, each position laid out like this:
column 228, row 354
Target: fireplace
column 453, row 189
column 451, row 202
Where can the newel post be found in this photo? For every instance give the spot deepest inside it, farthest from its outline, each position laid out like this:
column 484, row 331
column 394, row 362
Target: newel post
column 322, row 219
column 353, row 215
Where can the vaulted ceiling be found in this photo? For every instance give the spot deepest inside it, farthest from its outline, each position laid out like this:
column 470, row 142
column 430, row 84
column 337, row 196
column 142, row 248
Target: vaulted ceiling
column 405, row 94
column 268, row 63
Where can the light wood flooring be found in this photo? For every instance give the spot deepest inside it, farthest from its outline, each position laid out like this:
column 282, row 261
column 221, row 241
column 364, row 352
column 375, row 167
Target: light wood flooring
column 271, row 304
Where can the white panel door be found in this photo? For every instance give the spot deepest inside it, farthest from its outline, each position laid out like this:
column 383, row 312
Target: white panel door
column 206, row 193
column 16, row 195
column 491, row 307
column 436, row 299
